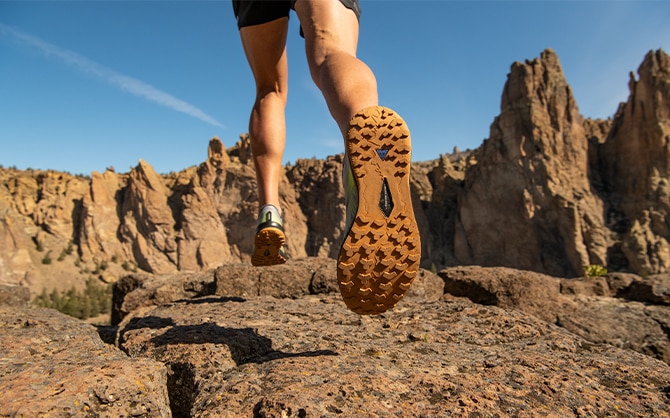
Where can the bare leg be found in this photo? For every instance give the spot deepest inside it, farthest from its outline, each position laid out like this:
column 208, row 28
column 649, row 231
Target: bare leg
column 331, row 38
column 265, row 48
column 381, row 251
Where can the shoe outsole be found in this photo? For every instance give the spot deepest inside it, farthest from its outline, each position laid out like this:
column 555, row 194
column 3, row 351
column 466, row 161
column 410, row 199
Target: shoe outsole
column 381, row 253
column 268, row 245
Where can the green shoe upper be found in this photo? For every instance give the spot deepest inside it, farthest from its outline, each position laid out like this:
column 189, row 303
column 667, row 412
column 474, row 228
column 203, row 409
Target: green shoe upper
column 268, row 217
column 350, row 194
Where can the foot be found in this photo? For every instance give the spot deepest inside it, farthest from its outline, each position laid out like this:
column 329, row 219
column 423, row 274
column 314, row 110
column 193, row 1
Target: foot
column 381, row 252
column 269, row 243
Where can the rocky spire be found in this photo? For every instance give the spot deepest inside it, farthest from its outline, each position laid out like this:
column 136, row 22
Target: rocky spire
column 527, row 201
column 635, row 163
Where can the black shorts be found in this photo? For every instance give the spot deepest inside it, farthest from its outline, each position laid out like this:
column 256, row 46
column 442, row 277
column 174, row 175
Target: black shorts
column 255, row 12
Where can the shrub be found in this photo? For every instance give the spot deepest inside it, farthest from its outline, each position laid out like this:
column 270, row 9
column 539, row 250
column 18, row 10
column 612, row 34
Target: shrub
column 94, row 300
column 100, row 267
column 129, row 266
column 69, row 249
column 595, row 270
column 47, row 258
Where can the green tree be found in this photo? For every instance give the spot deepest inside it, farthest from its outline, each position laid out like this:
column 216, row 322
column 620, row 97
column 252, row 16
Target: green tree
column 72, row 304
column 94, row 300
column 56, row 300
column 43, row 299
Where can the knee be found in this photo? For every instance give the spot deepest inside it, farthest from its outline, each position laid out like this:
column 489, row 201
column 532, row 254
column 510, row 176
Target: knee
column 327, row 66
column 271, row 93
column 342, row 68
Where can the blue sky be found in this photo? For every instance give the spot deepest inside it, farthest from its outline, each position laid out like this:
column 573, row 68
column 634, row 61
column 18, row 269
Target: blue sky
column 85, row 85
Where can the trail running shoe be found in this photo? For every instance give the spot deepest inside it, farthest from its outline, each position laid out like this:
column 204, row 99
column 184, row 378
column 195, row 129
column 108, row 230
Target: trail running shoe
column 269, row 244
column 381, row 252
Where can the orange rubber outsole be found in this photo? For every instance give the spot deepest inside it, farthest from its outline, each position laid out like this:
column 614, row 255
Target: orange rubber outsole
column 267, row 247
column 381, row 253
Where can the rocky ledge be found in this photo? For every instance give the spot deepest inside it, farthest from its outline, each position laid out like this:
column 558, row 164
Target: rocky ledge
column 278, row 342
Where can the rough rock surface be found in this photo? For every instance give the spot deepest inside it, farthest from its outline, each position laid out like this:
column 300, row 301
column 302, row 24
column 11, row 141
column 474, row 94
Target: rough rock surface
column 52, row 365
column 239, row 341
column 296, row 278
column 624, row 310
column 267, row 357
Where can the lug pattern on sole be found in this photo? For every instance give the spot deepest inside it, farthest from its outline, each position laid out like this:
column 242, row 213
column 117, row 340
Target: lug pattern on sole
column 380, row 256
column 268, row 245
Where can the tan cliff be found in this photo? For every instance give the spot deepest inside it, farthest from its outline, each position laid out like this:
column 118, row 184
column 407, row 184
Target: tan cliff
column 528, row 202
column 634, row 164
column 548, row 191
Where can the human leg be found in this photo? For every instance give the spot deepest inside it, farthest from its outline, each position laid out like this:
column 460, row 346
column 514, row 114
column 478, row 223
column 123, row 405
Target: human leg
column 265, row 47
column 381, row 251
column 331, row 38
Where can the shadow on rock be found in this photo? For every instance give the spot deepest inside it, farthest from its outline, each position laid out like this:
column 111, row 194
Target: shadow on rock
column 223, row 299
column 197, row 352
column 245, row 344
column 181, row 389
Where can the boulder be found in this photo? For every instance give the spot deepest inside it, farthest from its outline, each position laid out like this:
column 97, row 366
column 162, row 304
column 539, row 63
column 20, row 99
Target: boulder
column 54, row 365
column 623, row 310
column 296, row 278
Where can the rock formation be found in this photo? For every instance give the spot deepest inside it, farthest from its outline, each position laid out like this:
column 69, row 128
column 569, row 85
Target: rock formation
column 147, row 221
column 528, row 202
column 549, row 191
column 634, row 163
column 100, row 223
column 39, row 211
column 320, row 195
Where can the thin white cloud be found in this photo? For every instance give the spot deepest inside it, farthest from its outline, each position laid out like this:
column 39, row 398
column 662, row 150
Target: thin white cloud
column 124, row 82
